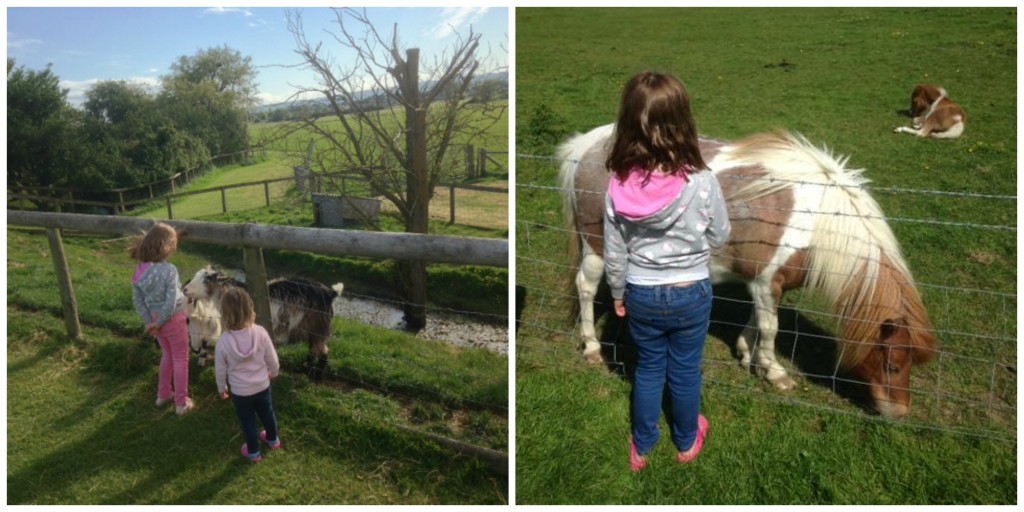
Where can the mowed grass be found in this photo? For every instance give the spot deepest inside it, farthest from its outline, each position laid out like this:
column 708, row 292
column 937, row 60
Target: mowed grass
column 293, row 138
column 82, row 428
column 842, row 78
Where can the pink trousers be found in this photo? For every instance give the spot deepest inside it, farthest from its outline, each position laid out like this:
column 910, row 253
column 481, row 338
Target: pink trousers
column 173, row 340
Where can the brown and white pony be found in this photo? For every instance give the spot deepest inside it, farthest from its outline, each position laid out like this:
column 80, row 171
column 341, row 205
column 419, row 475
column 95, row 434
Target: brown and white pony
column 934, row 114
column 799, row 219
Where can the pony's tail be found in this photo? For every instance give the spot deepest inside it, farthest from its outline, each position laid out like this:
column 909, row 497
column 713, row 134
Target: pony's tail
column 568, row 155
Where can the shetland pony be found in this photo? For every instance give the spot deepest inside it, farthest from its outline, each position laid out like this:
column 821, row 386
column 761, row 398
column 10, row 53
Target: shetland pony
column 934, row 114
column 799, row 219
column 300, row 310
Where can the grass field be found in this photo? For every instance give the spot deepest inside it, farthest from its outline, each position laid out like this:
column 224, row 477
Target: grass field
column 82, row 428
column 291, row 138
column 842, row 78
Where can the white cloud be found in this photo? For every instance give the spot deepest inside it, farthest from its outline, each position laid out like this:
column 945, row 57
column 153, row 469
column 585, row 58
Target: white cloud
column 227, row 10
column 455, row 18
column 15, row 43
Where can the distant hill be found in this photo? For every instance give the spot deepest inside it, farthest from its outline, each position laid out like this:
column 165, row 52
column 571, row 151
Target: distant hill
column 320, row 103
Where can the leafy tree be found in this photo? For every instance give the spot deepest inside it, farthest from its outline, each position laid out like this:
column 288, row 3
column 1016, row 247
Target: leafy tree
column 208, row 95
column 38, row 128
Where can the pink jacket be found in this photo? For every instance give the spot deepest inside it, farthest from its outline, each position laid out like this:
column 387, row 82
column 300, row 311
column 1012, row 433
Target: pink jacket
column 245, row 361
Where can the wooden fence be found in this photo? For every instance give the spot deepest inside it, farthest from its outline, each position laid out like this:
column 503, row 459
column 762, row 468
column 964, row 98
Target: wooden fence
column 253, row 238
column 126, row 196
column 307, row 181
column 117, row 207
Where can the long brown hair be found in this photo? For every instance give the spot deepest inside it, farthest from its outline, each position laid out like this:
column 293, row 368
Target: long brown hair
column 236, row 309
column 157, row 244
column 655, row 128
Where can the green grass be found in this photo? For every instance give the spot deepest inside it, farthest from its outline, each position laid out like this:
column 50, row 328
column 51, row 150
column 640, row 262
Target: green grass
column 82, row 427
column 289, row 138
column 235, row 199
column 848, row 78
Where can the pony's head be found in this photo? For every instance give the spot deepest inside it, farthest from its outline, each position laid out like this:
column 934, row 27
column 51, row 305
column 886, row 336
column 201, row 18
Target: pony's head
column 884, row 337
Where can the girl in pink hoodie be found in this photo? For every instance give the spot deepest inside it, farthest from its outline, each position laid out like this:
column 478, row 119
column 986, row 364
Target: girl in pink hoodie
column 664, row 213
column 245, row 362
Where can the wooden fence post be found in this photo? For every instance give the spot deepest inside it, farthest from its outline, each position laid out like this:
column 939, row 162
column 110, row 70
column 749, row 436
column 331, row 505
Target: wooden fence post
column 170, row 215
column 223, row 200
column 470, row 168
column 67, row 291
column 256, row 282
column 482, row 167
column 451, row 204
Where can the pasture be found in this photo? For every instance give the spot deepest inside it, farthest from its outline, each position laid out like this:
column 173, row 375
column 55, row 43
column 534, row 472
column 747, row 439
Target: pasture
column 82, row 427
column 360, row 438
column 293, row 138
column 842, row 78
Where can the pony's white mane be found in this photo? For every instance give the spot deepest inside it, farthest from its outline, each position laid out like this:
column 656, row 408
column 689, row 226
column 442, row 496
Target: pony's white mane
column 845, row 209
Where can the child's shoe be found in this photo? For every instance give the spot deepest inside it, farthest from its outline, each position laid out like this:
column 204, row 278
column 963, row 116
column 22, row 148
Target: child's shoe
column 273, row 446
column 636, row 461
column 160, row 402
column 253, row 457
column 691, row 453
column 183, row 409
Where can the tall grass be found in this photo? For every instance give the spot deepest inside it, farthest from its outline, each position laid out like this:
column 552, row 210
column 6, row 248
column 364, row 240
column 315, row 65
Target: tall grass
column 841, row 77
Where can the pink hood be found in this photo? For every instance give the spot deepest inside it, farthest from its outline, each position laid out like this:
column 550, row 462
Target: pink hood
column 634, row 199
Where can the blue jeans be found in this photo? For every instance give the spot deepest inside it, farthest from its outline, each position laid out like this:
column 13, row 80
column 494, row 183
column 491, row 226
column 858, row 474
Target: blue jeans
column 247, row 408
column 668, row 324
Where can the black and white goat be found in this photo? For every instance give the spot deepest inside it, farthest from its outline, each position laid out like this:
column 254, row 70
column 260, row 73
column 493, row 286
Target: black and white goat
column 300, row 310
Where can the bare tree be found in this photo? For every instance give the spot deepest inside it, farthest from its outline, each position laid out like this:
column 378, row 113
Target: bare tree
column 395, row 130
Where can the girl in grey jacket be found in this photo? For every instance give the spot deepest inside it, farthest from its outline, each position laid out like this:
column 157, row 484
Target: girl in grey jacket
column 664, row 212
column 160, row 304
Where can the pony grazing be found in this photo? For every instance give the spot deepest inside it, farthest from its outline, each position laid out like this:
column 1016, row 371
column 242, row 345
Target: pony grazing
column 799, row 219
column 300, row 310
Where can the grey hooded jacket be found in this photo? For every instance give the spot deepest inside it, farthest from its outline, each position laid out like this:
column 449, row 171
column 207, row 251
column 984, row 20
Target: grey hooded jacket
column 673, row 244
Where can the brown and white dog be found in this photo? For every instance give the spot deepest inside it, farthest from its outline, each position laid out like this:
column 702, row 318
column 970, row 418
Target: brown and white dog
column 935, row 115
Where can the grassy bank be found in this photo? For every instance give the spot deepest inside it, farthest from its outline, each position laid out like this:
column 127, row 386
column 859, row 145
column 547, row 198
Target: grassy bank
column 82, row 427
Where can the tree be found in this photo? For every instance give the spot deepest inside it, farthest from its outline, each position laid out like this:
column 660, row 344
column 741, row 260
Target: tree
column 395, row 130
column 208, row 95
column 38, row 126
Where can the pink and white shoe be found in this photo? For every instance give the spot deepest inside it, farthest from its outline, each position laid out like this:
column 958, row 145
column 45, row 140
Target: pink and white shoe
column 636, row 461
column 273, row 446
column 255, row 457
column 691, row 453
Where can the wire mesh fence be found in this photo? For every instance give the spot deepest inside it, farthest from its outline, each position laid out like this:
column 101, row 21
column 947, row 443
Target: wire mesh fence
column 969, row 387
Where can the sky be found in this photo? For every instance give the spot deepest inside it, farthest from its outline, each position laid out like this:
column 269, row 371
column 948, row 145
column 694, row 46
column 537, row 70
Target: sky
column 139, row 44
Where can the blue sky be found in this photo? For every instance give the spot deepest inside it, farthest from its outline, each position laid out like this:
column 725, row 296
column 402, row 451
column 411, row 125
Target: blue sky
column 86, row 44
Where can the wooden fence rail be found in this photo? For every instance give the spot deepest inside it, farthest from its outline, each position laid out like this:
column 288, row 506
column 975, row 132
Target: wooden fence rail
column 121, row 206
column 334, row 242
